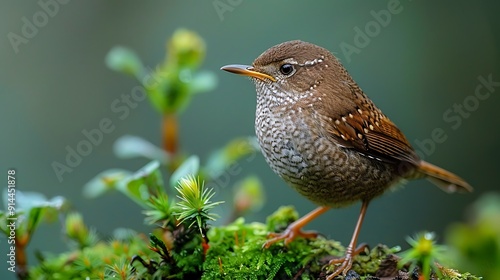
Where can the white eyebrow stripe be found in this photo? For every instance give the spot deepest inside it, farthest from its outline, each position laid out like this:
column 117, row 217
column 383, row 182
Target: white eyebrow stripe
column 306, row 63
column 312, row 62
column 291, row 61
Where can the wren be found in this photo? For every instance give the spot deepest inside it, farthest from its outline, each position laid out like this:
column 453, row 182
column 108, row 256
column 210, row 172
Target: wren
column 322, row 135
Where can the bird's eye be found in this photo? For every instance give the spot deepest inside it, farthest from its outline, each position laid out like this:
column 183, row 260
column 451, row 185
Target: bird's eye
column 286, row 69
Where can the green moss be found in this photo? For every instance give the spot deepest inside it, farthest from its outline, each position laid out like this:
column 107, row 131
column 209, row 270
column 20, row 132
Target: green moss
column 93, row 262
column 236, row 253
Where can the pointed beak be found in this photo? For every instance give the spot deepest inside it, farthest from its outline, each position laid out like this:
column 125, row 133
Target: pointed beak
column 246, row 70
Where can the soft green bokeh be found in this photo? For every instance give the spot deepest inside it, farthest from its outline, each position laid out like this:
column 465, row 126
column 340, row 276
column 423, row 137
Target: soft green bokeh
column 477, row 242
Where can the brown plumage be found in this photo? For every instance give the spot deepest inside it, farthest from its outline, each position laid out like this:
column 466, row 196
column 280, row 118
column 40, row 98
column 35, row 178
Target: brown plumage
column 326, row 138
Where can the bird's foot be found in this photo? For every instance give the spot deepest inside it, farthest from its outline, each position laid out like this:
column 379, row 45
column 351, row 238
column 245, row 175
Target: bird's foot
column 290, row 233
column 294, row 229
column 345, row 262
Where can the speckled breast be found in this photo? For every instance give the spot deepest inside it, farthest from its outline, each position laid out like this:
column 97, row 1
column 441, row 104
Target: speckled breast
column 315, row 165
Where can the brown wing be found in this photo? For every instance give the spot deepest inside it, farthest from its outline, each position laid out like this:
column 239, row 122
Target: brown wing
column 370, row 132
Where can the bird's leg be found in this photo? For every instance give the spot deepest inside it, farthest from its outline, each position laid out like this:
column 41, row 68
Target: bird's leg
column 294, row 229
column 350, row 252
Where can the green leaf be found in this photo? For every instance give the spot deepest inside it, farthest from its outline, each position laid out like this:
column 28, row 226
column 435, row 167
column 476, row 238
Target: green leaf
column 137, row 191
column 175, row 93
column 3, row 223
column 124, row 60
column 157, row 93
column 189, row 167
column 143, row 184
column 27, row 200
column 129, row 146
column 31, row 208
column 203, row 81
column 34, row 217
column 237, row 149
column 104, row 181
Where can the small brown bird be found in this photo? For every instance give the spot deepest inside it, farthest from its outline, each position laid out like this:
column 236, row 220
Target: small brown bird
column 322, row 135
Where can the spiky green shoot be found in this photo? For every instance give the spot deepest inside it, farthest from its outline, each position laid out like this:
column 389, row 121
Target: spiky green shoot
column 424, row 252
column 194, row 205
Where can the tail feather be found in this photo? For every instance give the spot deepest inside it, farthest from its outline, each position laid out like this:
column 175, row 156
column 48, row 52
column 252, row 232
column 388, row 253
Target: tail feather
column 445, row 180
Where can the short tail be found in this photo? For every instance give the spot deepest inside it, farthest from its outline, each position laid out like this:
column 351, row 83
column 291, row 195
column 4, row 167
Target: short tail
column 445, row 180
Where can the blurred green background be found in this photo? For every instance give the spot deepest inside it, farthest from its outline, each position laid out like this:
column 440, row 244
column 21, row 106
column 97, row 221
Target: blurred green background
column 417, row 66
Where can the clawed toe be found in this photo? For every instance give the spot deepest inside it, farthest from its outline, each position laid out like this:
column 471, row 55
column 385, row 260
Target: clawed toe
column 294, row 229
column 288, row 235
column 345, row 262
column 345, row 265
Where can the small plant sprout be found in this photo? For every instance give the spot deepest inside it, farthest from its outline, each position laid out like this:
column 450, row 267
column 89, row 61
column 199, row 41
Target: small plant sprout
column 77, row 231
column 160, row 210
column 424, row 252
column 194, row 207
column 119, row 270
